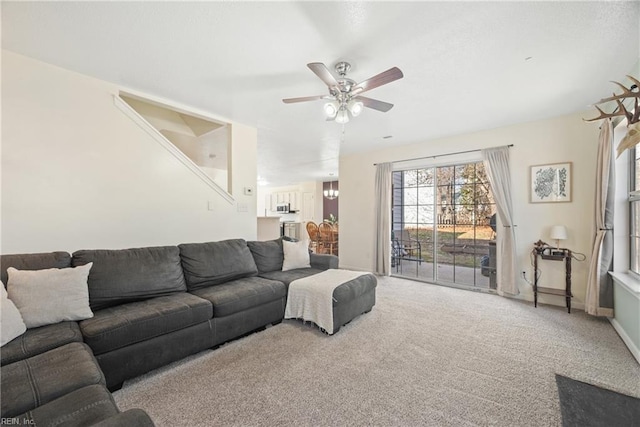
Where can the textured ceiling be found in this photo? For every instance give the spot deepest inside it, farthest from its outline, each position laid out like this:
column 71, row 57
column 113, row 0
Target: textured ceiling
column 468, row 66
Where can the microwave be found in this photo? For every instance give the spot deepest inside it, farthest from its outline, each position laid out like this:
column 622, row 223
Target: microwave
column 283, row 208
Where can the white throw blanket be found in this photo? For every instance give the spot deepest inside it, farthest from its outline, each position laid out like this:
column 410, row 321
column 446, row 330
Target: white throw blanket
column 311, row 298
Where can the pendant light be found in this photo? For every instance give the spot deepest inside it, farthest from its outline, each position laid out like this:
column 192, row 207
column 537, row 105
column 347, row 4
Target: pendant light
column 331, row 193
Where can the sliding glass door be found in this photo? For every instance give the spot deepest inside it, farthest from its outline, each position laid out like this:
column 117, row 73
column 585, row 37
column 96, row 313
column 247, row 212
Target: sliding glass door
column 443, row 225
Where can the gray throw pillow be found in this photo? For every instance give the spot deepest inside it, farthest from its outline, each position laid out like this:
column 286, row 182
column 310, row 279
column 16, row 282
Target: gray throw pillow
column 268, row 255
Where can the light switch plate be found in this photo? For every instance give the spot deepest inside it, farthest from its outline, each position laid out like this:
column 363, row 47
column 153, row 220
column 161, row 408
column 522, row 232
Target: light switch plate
column 248, row 191
column 243, row 207
column 211, row 205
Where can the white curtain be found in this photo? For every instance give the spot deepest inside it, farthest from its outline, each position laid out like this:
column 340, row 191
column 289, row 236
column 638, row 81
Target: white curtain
column 382, row 250
column 599, row 298
column 496, row 163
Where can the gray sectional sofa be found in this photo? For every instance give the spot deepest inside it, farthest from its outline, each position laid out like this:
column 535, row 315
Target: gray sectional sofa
column 152, row 306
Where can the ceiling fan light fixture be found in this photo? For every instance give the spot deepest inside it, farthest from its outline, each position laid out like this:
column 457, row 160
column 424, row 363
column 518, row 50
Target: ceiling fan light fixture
column 344, row 92
column 331, row 108
column 355, row 107
column 342, row 116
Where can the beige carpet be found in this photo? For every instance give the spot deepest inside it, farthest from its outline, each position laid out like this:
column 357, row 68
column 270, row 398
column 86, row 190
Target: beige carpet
column 425, row 355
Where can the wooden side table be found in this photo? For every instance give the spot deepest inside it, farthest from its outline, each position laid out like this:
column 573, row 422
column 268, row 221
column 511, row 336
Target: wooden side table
column 552, row 254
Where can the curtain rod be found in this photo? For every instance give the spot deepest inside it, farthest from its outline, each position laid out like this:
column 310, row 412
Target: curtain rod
column 440, row 155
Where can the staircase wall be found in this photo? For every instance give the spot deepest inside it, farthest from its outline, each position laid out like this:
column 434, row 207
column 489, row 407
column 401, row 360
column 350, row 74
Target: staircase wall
column 78, row 173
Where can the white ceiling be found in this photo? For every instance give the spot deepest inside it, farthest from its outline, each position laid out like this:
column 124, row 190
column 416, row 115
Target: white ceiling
column 467, row 66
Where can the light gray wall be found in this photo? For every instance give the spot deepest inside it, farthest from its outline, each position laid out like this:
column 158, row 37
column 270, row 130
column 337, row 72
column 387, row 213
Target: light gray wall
column 556, row 140
column 78, row 173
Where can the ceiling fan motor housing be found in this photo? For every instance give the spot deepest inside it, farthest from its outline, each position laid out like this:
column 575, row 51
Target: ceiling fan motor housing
column 342, row 68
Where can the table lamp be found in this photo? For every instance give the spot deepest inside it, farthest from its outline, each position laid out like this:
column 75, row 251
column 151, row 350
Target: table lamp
column 558, row 232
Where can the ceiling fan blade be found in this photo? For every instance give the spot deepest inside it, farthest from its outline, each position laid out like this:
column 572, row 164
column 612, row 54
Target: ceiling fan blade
column 392, row 74
column 305, row 99
column 323, row 72
column 375, row 104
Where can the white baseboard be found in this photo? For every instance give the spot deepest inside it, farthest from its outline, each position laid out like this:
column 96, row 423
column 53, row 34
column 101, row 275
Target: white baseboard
column 635, row 351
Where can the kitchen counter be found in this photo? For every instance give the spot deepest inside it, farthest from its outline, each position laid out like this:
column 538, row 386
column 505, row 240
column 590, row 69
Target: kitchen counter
column 268, row 227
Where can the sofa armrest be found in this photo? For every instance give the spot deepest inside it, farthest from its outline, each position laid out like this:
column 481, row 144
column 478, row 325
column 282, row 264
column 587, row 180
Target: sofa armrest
column 323, row 261
column 129, row 418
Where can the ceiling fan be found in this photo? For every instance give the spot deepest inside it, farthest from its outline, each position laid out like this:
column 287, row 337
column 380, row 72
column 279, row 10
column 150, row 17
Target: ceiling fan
column 345, row 94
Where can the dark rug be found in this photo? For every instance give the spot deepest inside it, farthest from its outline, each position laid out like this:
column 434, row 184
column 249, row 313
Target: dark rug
column 587, row 405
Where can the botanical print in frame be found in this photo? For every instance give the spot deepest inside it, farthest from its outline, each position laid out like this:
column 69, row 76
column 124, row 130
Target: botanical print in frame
column 550, row 183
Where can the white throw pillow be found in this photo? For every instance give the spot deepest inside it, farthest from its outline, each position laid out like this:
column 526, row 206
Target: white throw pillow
column 11, row 323
column 296, row 255
column 50, row 296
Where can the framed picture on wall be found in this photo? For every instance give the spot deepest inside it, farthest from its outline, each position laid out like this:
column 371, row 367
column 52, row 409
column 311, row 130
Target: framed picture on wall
column 550, row 183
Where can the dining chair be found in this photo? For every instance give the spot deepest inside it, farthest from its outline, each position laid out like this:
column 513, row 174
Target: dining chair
column 328, row 238
column 314, row 236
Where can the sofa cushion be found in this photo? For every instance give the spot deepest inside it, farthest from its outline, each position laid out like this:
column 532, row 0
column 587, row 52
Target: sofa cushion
column 85, row 406
column 126, row 324
column 127, row 275
column 213, row 263
column 323, row 261
column 51, row 295
column 239, row 295
column 289, row 276
column 37, row 380
column 38, row 261
column 39, row 340
column 268, row 255
column 11, row 323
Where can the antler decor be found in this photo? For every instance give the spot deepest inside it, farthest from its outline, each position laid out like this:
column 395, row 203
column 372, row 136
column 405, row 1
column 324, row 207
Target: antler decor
column 633, row 118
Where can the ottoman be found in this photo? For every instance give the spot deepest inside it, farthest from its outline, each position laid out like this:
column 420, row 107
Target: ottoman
column 331, row 298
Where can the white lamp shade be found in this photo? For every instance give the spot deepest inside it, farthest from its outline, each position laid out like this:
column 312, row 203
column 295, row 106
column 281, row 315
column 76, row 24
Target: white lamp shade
column 330, row 109
column 342, row 116
column 558, row 232
column 355, row 107
column 331, row 193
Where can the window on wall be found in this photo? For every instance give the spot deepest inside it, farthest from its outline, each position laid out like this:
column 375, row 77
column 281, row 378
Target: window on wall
column 634, row 204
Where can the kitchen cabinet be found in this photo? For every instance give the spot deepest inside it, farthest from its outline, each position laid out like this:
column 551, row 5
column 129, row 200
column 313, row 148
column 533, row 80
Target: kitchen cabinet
column 293, row 201
column 281, row 197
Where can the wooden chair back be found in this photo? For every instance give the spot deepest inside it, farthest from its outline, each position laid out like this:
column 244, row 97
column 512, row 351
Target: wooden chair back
column 326, row 232
column 328, row 238
column 314, row 236
column 312, row 231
